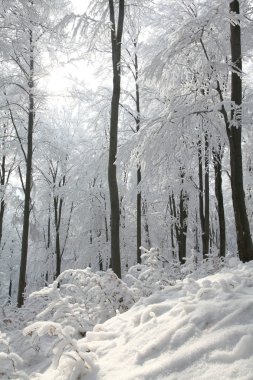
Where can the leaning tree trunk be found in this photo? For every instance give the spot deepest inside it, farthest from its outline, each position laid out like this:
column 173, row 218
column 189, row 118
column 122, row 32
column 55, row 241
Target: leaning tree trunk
column 28, row 181
column 116, row 38
column 234, row 132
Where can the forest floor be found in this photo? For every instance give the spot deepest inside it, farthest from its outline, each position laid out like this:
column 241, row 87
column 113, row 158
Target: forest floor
column 195, row 330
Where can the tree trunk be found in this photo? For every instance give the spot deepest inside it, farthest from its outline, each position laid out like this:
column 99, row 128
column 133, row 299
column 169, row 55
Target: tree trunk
column 183, row 226
column 201, row 194
column 172, row 224
column 146, row 226
column 137, row 120
column 234, row 132
column 206, row 239
column 2, row 209
column 28, row 181
column 58, row 203
column 116, row 38
column 217, row 159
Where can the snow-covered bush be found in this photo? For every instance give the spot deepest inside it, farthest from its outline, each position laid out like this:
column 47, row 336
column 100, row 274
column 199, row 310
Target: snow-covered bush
column 75, row 303
column 65, row 348
column 10, row 362
column 156, row 273
column 152, row 275
column 197, row 268
column 82, row 298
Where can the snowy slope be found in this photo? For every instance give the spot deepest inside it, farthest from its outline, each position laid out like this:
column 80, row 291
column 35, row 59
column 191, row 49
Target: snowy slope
column 196, row 330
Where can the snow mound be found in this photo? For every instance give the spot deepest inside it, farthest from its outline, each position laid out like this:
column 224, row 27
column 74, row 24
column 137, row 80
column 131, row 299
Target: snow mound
column 194, row 330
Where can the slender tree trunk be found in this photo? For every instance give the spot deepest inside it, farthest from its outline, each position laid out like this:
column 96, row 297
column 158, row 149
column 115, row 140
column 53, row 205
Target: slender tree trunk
column 196, row 235
column 116, row 39
column 58, row 255
column 183, row 216
column 57, row 218
column 48, row 242
column 172, row 224
column 2, row 204
column 2, row 209
column 4, row 178
column 201, row 193
column 10, row 290
column 28, row 181
column 146, row 226
column 206, row 239
column 204, row 194
column 234, row 132
column 217, row 163
column 138, row 120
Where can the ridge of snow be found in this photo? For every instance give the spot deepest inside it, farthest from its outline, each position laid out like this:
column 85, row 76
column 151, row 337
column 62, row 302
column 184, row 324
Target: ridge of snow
column 194, row 330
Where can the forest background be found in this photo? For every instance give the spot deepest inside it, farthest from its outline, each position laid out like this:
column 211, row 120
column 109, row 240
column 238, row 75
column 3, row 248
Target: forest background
column 183, row 142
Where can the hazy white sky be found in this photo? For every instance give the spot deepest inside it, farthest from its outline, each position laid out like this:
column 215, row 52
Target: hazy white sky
column 80, row 5
column 59, row 80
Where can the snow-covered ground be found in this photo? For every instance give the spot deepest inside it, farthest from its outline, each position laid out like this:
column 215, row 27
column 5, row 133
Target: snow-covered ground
column 195, row 330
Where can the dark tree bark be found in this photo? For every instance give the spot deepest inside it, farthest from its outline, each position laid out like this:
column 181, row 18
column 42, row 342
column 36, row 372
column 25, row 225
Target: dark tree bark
column 116, row 39
column 234, row 132
column 2, row 202
column 172, row 224
column 28, row 180
column 138, row 120
column 10, row 290
column 204, row 194
column 146, row 226
column 58, row 203
column 179, row 214
column 206, row 237
column 217, row 163
column 204, row 200
column 183, row 225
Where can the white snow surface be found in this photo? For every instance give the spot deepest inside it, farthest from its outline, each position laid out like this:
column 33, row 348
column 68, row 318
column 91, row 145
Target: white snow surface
column 197, row 329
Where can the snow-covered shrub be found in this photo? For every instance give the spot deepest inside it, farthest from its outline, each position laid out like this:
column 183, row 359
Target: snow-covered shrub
column 156, row 273
column 65, row 348
column 75, row 302
column 82, row 298
column 10, row 362
column 197, row 268
column 152, row 275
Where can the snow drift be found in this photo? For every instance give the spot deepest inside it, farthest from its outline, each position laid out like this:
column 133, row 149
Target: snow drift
column 196, row 329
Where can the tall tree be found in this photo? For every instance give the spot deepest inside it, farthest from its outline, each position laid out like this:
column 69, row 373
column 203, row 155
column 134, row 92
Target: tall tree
column 7, row 165
column 116, row 41
column 28, row 176
column 234, row 132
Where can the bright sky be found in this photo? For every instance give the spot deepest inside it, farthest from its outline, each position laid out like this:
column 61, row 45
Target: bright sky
column 59, row 80
column 80, row 5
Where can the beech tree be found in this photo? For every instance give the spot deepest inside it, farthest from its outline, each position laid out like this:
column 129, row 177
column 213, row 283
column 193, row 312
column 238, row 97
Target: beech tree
column 234, row 132
column 116, row 41
column 26, row 25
